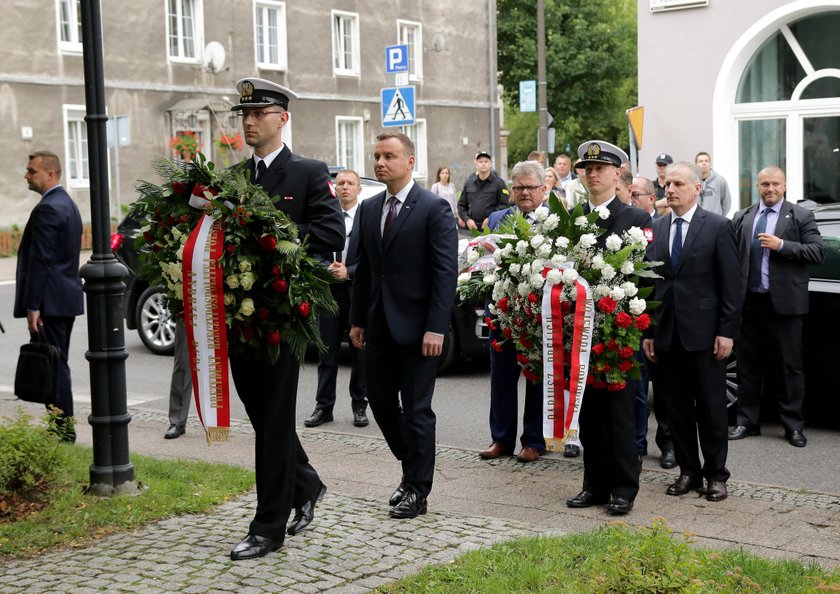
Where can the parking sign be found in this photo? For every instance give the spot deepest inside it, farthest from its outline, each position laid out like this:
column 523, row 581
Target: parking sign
column 396, row 59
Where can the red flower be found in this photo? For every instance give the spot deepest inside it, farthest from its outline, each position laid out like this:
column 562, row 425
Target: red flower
column 496, row 346
column 179, row 187
column 590, row 379
column 491, row 323
column 503, row 304
column 532, row 297
column 539, row 318
column 616, row 387
column 262, row 314
column 507, row 332
column 148, row 236
column 275, row 271
column 623, row 320
column 530, row 375
column 625, row 352
column 522, row 359
column 612, row 345
column 184, row 219
column 273, row 338
column 625, row 365
column 199, row 190
column 599, row 348
column 599, row 385
column 280, row 285
column 268, row 243
column 518, row 322
column 527, row 310
column 603, row 368
column 607, row 304
column 643, row 322
column 303, row 309
column 230, row 248
column 247, row 331
column 527, row 344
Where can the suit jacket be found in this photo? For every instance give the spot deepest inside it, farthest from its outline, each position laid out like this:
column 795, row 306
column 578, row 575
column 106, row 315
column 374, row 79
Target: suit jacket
column 496, row 217
column 48, row 259
column 803, row 245
column 622, row 218
column 303, row 191
column 702, row 298
column 410, row 279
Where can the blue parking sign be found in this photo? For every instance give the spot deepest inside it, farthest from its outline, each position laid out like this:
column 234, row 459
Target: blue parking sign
column 398, row 106
column 396, row 58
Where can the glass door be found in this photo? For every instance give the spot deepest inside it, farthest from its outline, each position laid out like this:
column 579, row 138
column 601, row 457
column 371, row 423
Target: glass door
column 821, row 159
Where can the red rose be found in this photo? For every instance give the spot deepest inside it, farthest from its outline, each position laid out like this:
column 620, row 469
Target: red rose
column 612, row 345
column 603, row 368
column 643, row 322
column 148, row 236
column 184, row 219
column 625, row 352
column 496, row 346
column 230, row 248
column 179, row 187
column 607, row 304
column 262, row 314
column 199, row 190
column 247, row 331
column 527, row 310
column 590, row 379
column 623, row 320
column 527, row 344
column 599, row 348
column 530, row 376
column 503, row 304
column 303, row 309
column 268, row 243
column 616, row 387
column 532, row 297
column 273, row 338
column 599, row 385
column 522, row 359
column 625, row 365
column 275, row 271
column 507, row 332
column 280, row 285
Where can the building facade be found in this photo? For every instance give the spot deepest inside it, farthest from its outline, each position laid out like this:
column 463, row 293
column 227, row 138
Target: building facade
column 752, row 82
column 170, row 68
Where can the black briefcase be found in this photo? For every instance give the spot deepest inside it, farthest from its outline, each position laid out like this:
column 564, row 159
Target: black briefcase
column 36, row 377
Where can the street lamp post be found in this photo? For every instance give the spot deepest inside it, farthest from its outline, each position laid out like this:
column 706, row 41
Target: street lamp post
column 542, row 84
column 111, row 471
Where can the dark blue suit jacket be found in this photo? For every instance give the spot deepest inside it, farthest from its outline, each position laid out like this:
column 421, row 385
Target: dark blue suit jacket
column 411, row 279
column 48, row 259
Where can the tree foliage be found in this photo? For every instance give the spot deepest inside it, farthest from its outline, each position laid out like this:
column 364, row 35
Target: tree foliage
column 590, row 69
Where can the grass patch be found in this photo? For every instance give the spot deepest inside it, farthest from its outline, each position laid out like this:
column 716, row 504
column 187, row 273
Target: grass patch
column 171, row 487
column 616, row 559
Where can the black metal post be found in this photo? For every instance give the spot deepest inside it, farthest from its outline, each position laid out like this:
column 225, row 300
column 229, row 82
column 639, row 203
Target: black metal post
column 111, row 471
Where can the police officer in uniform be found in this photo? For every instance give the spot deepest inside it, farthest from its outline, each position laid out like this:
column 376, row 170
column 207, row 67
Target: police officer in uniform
column 484, row 192
column 302, row 189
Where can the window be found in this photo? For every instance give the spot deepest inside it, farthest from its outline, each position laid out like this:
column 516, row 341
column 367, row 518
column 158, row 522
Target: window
column 345, row 43
column 349, row 148
column 270, row 34
column 69, row 26
column 184, row 29
column 197, row 123
column 75, row 147
column 411, row 34
column 417, row 133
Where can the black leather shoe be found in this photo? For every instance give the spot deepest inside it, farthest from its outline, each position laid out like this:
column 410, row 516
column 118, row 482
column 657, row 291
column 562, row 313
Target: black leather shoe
column 571, row 450
column 303, row 516
column 411, row 506
column 254, row 546
column 669, row 459
column 619, row 506
column 398, row 494
column 716, row 491
column 586, row 499
column 360, row 419
column 174, row 431
column 683, row 485
column 742, row 431
column 796, row 439
column 318, row 417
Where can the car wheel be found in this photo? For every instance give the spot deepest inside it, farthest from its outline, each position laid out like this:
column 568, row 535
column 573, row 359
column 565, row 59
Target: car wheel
column 449, row 352
column 154, row 322
column 731, row 381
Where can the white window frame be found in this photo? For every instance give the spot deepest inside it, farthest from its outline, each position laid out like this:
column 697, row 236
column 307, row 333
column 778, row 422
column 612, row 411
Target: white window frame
column 358, row 157
column 74, row 44
column 417, row 133
column 202, row 128
column 340, row 68
column 75, row 149
column 198, row 32
column 415, row 49
column 266, row 6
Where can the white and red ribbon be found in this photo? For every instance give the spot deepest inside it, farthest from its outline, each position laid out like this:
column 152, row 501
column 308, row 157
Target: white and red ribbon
column 561, row 406
column 204, row 317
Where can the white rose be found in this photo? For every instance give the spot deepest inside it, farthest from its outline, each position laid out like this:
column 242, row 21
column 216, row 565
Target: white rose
column 551, row 222
column 176, row 233
column 581, row 222
column 603, row 212
column 472, row 256
column 247, row 280
column 523, row 289
column 179, row 291
column 630, row 289
column 537, row 241
column 598, row 262
column 521, row 247
column 554, row 275
column 245, row 266
column 507, row 250
column 538, row 264
column 526, row 269
column 541, row 214
column 544, row 250
column 537, row 280
column 464, row 278
column 489, row 279
column 562, row 242
column 514, row 268
column 613, row 243
column 617, row 293
column 637, row 306
column 602, row 291
column 498, row 256
column 587, row 240
column 229, row 299
column 180, row 253
column 607, row 272
column 570, row 275
column 637, row 236
column 627, row 267
column 498, row 293
column 246, row 308
column 232, row 281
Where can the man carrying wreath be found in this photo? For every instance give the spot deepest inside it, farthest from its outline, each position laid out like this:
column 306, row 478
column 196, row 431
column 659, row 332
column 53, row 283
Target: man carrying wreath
column 302, row 190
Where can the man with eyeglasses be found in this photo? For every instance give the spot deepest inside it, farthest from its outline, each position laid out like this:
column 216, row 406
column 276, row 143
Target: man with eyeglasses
column 643, row 196
column 303, row 190
column 528, row 193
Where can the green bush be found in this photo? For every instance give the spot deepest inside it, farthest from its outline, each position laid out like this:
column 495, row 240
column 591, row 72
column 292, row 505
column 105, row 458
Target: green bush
column 28, row 452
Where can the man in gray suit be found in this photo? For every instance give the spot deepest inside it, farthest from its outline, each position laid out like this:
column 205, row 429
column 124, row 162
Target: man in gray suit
column 777, row 241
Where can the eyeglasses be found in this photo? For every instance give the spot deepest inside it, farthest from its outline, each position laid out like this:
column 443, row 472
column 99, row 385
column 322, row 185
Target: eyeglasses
column 637, row 194
column 529, row 189
column 258, row 114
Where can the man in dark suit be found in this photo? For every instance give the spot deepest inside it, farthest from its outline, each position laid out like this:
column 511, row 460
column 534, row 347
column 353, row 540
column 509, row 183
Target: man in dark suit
column 528, row 193
column 403, row 294
column 777, row 241
column 48, row 291
column 611, row 465
column 701, row 294
column 304, row 192
column 334, row 328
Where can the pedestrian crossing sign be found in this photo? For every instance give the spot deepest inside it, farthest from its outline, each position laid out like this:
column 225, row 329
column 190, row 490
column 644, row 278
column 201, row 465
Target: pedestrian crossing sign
column 398, row 106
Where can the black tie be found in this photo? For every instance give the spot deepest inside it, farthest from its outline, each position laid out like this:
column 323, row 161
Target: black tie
column 676, row 247
column 260, row 171
column 586, row 209
column 389, row 220
column 757, row 252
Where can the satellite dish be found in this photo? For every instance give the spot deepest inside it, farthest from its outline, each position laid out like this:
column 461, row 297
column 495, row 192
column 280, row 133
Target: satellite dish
column 214, row 57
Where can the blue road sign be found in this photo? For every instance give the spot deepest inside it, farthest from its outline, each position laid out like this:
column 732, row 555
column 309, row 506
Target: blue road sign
column 396, row 58
column 527, row 95
column 398, row 106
